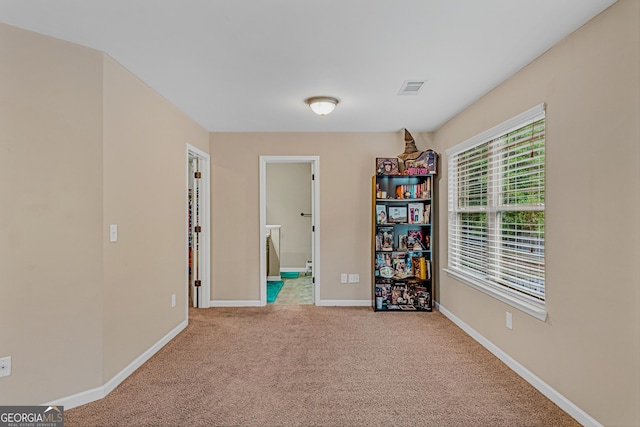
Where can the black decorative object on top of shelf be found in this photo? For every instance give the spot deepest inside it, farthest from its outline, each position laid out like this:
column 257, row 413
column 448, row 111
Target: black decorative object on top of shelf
column 415, row 162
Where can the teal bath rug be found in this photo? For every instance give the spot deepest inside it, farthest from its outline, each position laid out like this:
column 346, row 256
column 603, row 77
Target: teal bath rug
column 290, row 275
column 273, row 288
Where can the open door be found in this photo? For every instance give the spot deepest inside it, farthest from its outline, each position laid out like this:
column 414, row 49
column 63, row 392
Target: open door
column 309, row 218
column 198, row 232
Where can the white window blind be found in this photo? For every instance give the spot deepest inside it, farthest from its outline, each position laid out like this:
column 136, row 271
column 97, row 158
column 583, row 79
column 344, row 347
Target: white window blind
column 496, row 211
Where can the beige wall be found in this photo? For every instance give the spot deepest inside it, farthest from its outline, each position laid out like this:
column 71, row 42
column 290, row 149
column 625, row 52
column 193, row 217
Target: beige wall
column 589, row 347
column 85, row 144
column 145, row 141
column 50, row 217
column 289, row 194
column 347, row 163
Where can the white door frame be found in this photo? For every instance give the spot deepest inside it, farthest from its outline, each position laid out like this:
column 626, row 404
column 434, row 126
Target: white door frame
column 204, row 299
column 315, row 220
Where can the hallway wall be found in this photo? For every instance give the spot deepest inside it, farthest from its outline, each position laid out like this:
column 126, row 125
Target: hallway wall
column 50, row 217
column 145, row 162
column 347, row 164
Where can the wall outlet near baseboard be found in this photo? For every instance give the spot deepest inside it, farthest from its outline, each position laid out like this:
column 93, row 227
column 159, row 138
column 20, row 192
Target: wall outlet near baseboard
column 5, row 366
column 173, row 300
column 509, row 321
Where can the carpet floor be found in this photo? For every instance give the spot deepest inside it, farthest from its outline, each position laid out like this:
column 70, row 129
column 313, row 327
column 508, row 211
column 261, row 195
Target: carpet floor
column 303, row 365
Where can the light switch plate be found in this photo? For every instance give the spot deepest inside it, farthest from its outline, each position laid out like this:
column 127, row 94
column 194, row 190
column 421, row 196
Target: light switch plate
column 5, row 366
column 509, row 321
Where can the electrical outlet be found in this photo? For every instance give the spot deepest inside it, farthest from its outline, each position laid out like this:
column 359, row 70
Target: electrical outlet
column 354, row 278
column 5, row 366
column 173, row 300
column 509, row 321
column 343, row 278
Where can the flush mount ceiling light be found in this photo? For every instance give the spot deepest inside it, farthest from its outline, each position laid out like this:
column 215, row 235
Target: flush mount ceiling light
column 322, row 105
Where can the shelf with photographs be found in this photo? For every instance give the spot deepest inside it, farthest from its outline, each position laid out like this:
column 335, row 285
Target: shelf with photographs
column 402, row 242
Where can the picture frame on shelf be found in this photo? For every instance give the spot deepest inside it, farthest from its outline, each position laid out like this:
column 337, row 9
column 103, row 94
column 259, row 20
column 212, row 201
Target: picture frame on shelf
column 381, row 214
column 397, row 214
column 402, row 242
column 387, row 166
column 416, row 240
column 386, row 238
column 399, row 265
column 383, row 260
column 416, row 213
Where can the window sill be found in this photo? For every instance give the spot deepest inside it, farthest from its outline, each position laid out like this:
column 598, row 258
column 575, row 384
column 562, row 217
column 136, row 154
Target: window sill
column 536, row 310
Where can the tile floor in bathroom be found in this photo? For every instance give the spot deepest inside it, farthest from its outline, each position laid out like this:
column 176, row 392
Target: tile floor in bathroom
column 296, row 291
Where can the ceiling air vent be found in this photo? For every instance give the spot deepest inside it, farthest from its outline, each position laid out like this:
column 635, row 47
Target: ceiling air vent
column 411, row 87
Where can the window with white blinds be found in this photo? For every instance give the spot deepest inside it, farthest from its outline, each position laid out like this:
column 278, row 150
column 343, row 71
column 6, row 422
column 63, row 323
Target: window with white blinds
column 496, row 211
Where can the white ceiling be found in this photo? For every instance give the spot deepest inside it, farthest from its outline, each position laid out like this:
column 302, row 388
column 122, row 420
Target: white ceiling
column 248, row 65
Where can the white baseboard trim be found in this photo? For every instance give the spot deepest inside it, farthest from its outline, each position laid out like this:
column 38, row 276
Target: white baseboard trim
column 565, row 404
column 324, row 303
column 98, row 393
column 244, row 303
column 274, row 278
column 346, row 303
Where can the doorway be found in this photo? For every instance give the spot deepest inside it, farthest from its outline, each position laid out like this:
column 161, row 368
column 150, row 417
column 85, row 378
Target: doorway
column 198, row 290
column 294, row 261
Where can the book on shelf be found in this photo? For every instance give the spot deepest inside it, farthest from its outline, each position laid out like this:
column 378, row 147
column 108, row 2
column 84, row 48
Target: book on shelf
column 421, row 267
column 415, row 191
